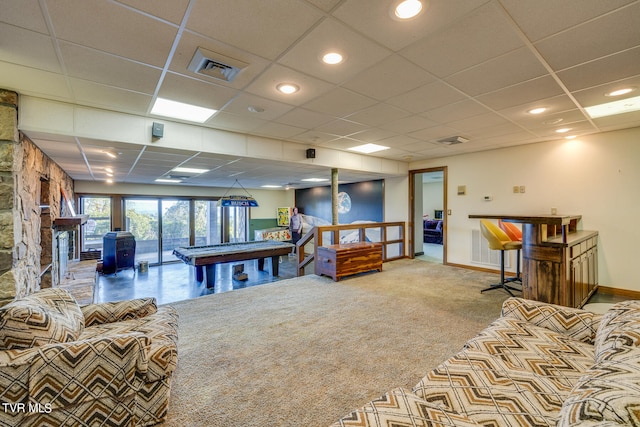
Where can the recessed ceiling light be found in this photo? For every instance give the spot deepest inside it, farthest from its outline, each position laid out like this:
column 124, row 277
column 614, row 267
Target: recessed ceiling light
column 553, row 121
column 189, row 170
column 538, row 110
column 182, row 111
column 407, row 9
column 563, row 130
column 109, row 181
column 271, row 186
column 332, row 58
column 288, row 88
column 315, row 179
column 620, row 92
column 168, row 180
column 368, row 148
column 570, row 136
column 110, row 154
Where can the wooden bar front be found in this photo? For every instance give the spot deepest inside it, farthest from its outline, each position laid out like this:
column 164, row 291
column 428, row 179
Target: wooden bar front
column 560, row 262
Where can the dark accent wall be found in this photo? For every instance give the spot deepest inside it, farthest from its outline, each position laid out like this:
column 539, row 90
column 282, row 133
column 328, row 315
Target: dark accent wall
column 367, row 202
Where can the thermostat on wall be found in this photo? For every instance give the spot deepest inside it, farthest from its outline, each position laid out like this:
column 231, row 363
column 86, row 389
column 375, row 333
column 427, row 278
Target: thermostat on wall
column 487, row 198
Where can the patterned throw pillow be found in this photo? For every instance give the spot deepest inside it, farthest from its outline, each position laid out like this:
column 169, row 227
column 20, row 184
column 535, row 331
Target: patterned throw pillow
column 47, row 316
column 607, row 395
column 619, row 331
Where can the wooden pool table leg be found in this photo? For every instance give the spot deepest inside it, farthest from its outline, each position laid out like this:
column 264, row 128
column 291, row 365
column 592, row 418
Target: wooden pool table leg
column 199, row 273
column 211, row 275
column 275, row 264
column 261, row 264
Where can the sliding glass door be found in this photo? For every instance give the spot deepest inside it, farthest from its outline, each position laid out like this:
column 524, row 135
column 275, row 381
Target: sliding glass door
column 142, row 219
column 174, row 223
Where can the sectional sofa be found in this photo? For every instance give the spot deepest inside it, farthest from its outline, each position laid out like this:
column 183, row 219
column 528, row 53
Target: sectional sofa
column 62, row 364
column 536, row 365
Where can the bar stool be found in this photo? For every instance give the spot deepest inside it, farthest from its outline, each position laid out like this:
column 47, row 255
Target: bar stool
column 499, row 240
column 515, row 234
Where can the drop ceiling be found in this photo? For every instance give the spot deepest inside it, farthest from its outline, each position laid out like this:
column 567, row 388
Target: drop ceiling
column 469, row 68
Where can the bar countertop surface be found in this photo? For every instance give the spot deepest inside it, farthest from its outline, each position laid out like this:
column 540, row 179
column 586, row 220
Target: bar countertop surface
column 530, row 219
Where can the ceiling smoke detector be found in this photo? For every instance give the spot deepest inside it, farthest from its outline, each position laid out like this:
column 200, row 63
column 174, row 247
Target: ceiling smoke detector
column 453, row 140
column 215, row 65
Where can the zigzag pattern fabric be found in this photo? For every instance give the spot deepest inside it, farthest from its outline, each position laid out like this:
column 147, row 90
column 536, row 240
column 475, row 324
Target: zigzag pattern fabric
column 579, row 324
column 49, row 316
column 537, row 365
column 113, row 374
column 399, row 408
column 110, row 312
column 619, row 331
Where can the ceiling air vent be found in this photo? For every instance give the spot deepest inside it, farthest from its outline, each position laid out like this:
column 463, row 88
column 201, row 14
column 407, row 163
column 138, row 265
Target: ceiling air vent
column 453, row 140
column 215, row 65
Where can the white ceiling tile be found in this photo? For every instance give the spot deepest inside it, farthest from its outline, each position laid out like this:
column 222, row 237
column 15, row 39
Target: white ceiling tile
column 378, row 115
column 480, row 36
column 265, row 85
column 270, row 109
column 339, row 102
column 402, row 76
column 101, row 96
column 98, row 67
column 374, row 19
column 456, row 111
column 29, row 81
column 172, row 11
column 305, row 118
column 542, row 18
column 23, row 13
column 505, row 70
column 530, row 91
column 330, row 35
column 585, row 41
column 427, row 97
column 113, row 28
column 196, row 92
column 255, row 27
column 28, row 48
column 610, row 68
column 408, row 124
column 341, row 127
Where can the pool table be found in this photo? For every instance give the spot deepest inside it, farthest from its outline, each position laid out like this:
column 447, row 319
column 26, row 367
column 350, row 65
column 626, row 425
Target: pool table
column 208, row 257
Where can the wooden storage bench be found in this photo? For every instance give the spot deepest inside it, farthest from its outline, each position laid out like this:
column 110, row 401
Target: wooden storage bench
column 342, row 260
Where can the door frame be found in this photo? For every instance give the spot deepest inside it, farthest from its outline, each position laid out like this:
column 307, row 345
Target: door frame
column 412, row 209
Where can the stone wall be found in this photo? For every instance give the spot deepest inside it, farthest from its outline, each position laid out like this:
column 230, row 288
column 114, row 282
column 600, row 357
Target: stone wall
column 25, row 218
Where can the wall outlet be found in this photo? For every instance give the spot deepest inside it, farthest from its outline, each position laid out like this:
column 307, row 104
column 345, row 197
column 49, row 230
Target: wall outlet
column 522, row 188
column 554, row 211
column 487, row 198
column 516, row 189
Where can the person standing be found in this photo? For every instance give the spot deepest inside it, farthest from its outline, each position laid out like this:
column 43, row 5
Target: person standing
column 295, row 226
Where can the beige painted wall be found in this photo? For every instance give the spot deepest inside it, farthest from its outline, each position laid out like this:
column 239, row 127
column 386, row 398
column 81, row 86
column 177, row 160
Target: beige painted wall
column 596, row 176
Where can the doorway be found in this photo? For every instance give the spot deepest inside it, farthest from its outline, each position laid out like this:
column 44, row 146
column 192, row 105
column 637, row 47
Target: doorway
column 428, row 193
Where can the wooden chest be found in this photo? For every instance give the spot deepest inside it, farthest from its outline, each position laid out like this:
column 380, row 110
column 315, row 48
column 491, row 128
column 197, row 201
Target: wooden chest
column 342, row 260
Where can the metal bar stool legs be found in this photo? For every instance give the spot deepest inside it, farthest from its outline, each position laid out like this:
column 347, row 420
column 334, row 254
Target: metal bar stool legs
column 504, row 283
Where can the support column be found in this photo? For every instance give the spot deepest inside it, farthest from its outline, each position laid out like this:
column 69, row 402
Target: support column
column 9, row 137
column 334, row 196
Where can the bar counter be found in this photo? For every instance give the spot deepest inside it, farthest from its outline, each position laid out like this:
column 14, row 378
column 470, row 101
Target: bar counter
column 560, row 261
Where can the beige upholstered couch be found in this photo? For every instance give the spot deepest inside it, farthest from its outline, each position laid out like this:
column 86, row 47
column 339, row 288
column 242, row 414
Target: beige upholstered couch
column 62, row 364
column 537, row 365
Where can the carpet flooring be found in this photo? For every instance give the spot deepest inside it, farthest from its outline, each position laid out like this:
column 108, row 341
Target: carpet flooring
column 306, row 351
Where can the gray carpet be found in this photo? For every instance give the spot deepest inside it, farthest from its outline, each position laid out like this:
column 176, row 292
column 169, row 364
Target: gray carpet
column 306, row 351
